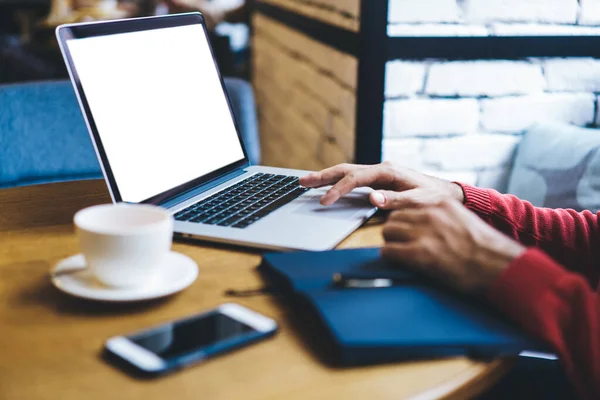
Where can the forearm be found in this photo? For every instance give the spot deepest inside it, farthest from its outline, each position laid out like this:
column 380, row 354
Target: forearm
column 566, row 235
column 558, row 307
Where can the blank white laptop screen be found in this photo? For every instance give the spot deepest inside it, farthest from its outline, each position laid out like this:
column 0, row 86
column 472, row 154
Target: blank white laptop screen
column 159, row 107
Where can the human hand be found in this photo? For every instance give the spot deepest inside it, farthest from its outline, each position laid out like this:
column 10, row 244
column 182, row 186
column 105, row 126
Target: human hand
column 396, row 187
column 450, row 243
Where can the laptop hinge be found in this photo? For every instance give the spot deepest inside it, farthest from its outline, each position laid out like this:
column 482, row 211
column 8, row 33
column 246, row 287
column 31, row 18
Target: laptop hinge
column 173, row 201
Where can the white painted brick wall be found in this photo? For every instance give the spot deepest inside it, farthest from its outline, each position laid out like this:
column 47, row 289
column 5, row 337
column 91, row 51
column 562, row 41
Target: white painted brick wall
column 548, row 11
column 573, row 75
column 427, row 117
column 407, row 152
column 494, row 29
column 484, row 78
column 498, row 29
column 492, row 102
column 597, row 122
column 590, row 12
column 406, row 78
column 428, row 30
column 417, row 11
column 470, row 152
column 516, row 114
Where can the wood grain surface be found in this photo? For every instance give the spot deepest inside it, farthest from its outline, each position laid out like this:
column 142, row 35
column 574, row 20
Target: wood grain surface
column 51, row 343
column 306, row 97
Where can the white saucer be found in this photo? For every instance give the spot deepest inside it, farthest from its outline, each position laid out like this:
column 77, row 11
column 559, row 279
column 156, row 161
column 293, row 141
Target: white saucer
column 179, row 272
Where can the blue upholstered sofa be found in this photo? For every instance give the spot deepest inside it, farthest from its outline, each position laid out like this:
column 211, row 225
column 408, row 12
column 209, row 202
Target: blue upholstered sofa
column 43, row 137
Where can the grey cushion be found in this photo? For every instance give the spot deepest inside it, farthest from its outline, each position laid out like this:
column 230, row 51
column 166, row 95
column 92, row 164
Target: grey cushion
column 243, row 105
column 558, row 166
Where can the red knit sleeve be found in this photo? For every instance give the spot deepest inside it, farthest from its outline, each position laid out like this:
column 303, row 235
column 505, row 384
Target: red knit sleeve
column 552, row 303
column 569, row 237
column 559, row 307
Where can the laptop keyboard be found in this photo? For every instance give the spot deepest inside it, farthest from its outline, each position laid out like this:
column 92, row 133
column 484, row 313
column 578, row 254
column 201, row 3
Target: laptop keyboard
column 244, row 203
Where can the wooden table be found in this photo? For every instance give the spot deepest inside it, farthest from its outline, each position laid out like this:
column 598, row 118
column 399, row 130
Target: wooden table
column 50, row 343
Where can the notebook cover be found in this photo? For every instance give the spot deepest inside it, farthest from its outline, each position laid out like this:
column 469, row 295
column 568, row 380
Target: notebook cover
column 419, row 319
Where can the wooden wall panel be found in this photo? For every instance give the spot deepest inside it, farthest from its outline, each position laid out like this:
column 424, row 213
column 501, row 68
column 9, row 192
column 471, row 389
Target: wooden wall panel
column 342, row 13
column 306, row 98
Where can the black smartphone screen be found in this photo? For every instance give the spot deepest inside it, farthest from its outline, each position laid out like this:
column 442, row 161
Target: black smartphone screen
column 173, row 340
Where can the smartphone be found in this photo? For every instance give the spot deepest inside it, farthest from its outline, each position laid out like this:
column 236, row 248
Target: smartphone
column 188, row 341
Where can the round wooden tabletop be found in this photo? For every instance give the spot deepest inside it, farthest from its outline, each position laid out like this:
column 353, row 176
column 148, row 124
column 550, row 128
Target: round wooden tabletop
column 51, row 343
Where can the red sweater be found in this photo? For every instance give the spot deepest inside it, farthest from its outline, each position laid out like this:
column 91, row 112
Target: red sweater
column 552, row 290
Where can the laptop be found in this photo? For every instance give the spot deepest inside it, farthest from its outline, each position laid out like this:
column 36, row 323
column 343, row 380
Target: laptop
column 164, row 133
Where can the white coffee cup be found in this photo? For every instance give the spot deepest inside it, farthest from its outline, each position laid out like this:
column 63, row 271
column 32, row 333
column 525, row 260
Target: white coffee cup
column 124, row 245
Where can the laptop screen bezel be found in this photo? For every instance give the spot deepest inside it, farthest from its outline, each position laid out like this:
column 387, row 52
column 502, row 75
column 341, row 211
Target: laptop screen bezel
column 86, row 30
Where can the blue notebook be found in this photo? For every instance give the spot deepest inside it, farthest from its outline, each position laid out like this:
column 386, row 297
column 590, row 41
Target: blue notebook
column 415, row 319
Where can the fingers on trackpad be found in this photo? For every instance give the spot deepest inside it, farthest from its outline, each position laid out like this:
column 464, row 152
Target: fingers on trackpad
column 345, row 208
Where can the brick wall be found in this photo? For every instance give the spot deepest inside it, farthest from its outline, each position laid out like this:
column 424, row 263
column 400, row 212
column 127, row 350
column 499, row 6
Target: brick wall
column 463, row 120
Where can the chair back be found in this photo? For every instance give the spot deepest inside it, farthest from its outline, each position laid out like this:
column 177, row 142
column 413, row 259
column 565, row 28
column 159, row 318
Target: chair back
column 43, row 137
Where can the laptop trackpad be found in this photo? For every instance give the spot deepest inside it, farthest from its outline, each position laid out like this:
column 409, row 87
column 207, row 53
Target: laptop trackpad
column 345, row 208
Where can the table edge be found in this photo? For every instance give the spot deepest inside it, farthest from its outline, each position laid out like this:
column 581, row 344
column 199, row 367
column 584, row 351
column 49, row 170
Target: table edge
column 469, row 383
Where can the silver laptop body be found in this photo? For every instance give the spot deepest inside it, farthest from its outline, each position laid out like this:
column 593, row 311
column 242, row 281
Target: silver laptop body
column 164, row 133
